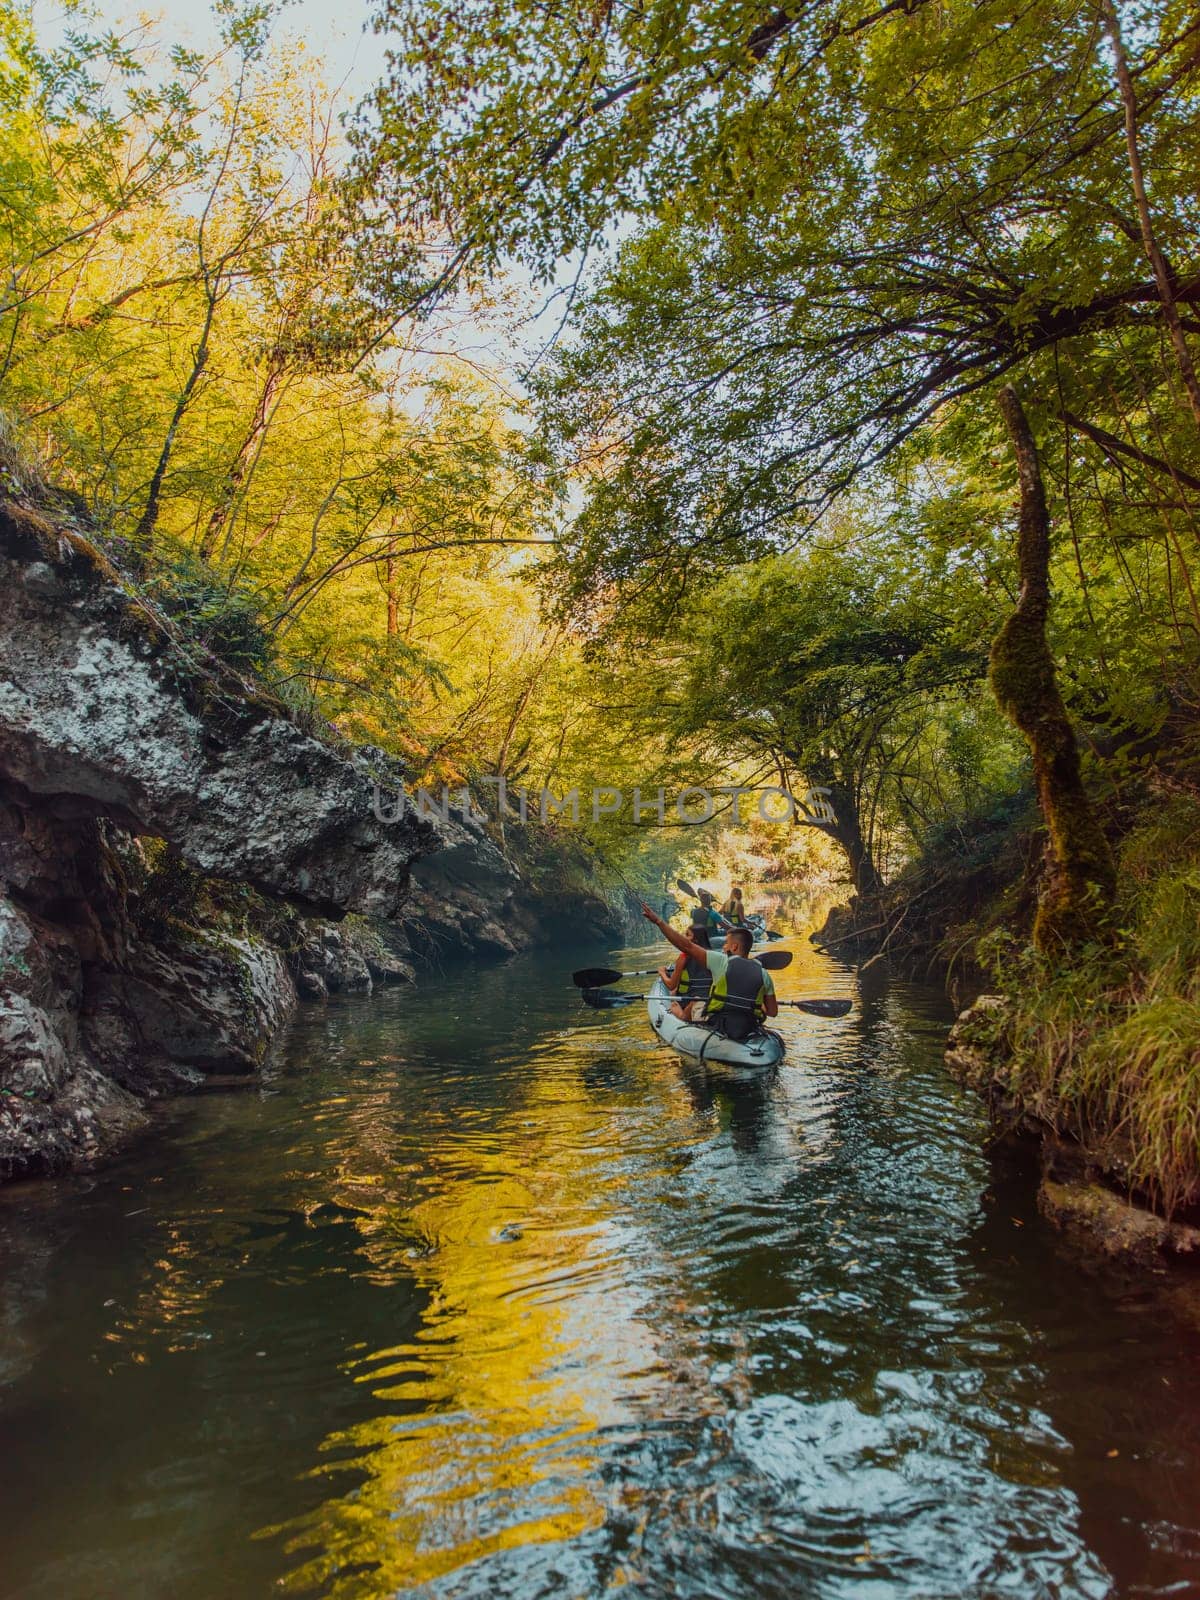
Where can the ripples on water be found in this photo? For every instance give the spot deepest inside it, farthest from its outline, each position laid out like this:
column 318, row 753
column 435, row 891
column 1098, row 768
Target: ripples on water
column 483, row 1295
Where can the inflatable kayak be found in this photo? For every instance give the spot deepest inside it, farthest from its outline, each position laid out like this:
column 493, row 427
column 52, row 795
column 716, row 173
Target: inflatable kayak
column 694, row 1042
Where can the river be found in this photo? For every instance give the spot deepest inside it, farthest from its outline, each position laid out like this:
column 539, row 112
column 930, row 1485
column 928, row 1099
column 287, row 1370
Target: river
column 480, row 1294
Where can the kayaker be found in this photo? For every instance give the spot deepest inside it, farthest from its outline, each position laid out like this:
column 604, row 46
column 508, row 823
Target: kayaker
column 706, row 915
column 689, row 979
column 742, row 993
column 734, row 910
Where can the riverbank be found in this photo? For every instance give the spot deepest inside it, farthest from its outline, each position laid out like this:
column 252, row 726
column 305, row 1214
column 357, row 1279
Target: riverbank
column 1096, row 1062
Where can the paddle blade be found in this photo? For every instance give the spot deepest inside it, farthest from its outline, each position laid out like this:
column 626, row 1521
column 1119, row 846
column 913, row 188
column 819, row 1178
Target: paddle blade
column 822, row 1008
column 687, row 889
column 774, row 959
column 595, row 977
column 607, row 999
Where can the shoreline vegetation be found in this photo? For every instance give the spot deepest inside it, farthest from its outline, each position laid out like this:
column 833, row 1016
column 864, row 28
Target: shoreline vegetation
column 851, row 448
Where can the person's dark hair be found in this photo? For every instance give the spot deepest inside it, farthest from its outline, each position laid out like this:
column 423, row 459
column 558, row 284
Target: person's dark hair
column 699, row 935
column 745, row 937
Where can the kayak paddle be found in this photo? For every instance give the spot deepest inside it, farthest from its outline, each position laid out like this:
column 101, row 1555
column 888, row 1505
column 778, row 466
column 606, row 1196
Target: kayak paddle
column 815, row 1008
column 821, row 1008
column 603, row 999
column 597, row 977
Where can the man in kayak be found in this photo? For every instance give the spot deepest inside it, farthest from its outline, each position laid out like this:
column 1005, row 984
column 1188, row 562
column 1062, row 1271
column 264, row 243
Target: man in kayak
column 742, row 992
column 689, row 980
column 706, row 915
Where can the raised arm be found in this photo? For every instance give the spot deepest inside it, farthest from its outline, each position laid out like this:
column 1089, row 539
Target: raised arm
column 679, row 940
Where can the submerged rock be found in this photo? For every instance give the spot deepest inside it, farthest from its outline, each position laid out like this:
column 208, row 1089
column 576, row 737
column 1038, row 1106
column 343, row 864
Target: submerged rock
column 1099, row 1220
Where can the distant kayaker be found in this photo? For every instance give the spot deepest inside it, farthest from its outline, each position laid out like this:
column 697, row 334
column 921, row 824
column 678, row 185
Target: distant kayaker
column 689, row 979
column 706, row 915
column 734, row 910
column 742, row 993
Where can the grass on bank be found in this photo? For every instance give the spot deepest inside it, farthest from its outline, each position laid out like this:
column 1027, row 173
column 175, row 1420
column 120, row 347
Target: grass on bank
column 1108, row 1050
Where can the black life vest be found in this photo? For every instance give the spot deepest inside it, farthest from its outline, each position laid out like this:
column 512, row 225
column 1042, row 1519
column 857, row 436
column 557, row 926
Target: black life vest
column 737, row 1003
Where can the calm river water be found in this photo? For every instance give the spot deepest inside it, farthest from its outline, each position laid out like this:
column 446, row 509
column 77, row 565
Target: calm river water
column 481, row 1294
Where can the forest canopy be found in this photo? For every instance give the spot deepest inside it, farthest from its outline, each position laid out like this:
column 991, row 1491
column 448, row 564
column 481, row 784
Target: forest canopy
column 878, row 375
column 757, row 503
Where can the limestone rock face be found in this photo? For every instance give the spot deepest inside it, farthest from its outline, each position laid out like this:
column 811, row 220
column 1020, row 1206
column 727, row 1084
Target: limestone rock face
column 349, row 958
column 469, row 899
column 462, row 899
column 104, row 710
column 117, row 729
column 113, row 728
column 207, row 1003
column 56, row 1107
column 101, row 1008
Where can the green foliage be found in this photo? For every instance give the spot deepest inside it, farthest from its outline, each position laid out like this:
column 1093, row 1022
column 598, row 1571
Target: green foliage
column 1108, row 1049
column 857, row 667
column 224, row 621
column 1160, row 870
column 832, row 227
column 311, row 497
column 1142, row 1076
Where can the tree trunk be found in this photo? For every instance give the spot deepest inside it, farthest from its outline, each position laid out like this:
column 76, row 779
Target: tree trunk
column 236, row 476
column 846, row 831
column 143, row 534
column 392, row 590
column 1076, row 905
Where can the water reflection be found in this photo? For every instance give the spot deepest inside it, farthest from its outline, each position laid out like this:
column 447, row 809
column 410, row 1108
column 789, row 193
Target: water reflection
column 493, row 1297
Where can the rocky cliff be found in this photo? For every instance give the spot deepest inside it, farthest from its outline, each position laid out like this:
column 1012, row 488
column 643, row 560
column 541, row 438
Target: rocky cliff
column 469, row 899
column 134, row 769
column 173, row 843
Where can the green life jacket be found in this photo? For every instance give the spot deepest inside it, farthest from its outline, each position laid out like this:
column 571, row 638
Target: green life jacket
column 695, row 980
column 738, row 1000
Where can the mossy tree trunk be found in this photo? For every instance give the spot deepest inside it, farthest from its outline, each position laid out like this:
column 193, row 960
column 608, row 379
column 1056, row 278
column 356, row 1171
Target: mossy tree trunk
column 1076, row 904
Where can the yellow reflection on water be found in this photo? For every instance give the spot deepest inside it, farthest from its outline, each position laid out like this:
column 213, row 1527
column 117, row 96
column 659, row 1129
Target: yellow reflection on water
column 530, row 1343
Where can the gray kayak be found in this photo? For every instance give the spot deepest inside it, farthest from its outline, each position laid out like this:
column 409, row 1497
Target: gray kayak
column 694, row 1042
